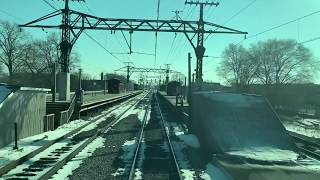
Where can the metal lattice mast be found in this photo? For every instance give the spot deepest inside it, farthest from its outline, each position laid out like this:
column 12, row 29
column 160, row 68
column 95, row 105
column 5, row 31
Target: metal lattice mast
column 74, row 23
column 65, row 45
column 200, row 49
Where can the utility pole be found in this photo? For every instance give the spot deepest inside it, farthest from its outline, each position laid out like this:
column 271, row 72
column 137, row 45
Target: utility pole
column 200, row 49
column 167, row 73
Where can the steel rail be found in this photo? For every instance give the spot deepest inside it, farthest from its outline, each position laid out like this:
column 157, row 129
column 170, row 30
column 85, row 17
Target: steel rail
column 168, row 139
column 59, row 164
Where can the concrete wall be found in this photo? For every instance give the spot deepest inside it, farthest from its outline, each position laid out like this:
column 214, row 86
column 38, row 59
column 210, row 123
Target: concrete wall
column 27, row 108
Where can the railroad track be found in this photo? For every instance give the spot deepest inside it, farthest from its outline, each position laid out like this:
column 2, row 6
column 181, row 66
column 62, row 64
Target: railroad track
column 47, row 162
column 98, row 104
column 309, row 148
column 158, row 162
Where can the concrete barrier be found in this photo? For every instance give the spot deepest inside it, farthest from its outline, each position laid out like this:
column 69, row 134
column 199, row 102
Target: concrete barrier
column 227, row 122
column 26, row 107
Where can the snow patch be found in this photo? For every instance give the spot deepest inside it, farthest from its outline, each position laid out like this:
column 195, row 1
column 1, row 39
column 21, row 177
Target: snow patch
column 305, row 127
column 78, row 159
column 128, row 149
column 266, row 154
column 190, row 140
column 137, row 174
column 214, row 173
column 119, row 172
column 187, row 174
column 29, row 144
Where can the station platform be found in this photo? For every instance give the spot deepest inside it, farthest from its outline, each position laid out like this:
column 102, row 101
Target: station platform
column 93, row 97
column 172, row 99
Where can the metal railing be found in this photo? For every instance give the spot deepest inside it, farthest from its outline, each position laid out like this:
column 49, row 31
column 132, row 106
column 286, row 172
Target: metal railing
column 72, row 105
column 65, row 116
column 48, row 122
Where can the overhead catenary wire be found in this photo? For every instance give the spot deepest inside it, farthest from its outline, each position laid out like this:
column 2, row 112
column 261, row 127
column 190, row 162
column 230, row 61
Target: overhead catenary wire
column 280, row 25
column 49, row 4
column 235, row 15
column 11, row 15
column 99, row 44
column 178, row 41
column 93, row 39
column 212, row 10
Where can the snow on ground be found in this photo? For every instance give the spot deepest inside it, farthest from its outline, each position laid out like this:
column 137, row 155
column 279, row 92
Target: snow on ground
column 213, row 173
column 138, row 173
column 305, row 127
column 266, row 154
column 187, row 174
column 180, row 147
column 78, row 159
column 45, row 153
column 190, row 140
column 128, row 149
column 29, row 144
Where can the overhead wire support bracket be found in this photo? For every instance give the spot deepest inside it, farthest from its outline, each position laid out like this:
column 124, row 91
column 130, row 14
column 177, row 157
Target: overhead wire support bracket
column 74, row 23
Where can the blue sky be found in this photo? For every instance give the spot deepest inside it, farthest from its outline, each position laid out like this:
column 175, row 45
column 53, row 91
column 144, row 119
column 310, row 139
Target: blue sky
column 261, row 15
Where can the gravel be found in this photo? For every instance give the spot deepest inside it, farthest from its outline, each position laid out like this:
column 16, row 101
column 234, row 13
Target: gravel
column 105, row 161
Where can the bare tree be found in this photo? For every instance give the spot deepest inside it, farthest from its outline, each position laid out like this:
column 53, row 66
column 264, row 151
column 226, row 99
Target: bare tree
column 11, row 45
column 238, row 66
column 48, row 52
column 282, row 62
column 40, row 55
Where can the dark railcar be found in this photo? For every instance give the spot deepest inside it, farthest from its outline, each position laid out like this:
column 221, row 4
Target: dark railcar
column 173, row 88
column 136, row 87
column 114, row 86
column 163, row 87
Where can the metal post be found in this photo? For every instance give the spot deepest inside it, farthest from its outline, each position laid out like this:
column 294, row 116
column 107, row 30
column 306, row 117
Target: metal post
column 193, row 78
column 79, row 98
column 54, row 86
column 80, row 94
column 189, row 78
column 185, row 88
column 15, row 136
column 105, row 87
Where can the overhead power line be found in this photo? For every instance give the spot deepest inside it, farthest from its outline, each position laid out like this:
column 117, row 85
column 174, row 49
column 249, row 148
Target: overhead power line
column 49, row 4
column 90, row 37
column 11, row 15
column 239, row 12
column 93, row 39
column 235, row 15
column 281, row 25
column 310, row 40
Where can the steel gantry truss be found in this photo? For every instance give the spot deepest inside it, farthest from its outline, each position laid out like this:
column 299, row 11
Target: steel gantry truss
column 131, row 69
column 74, row 23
